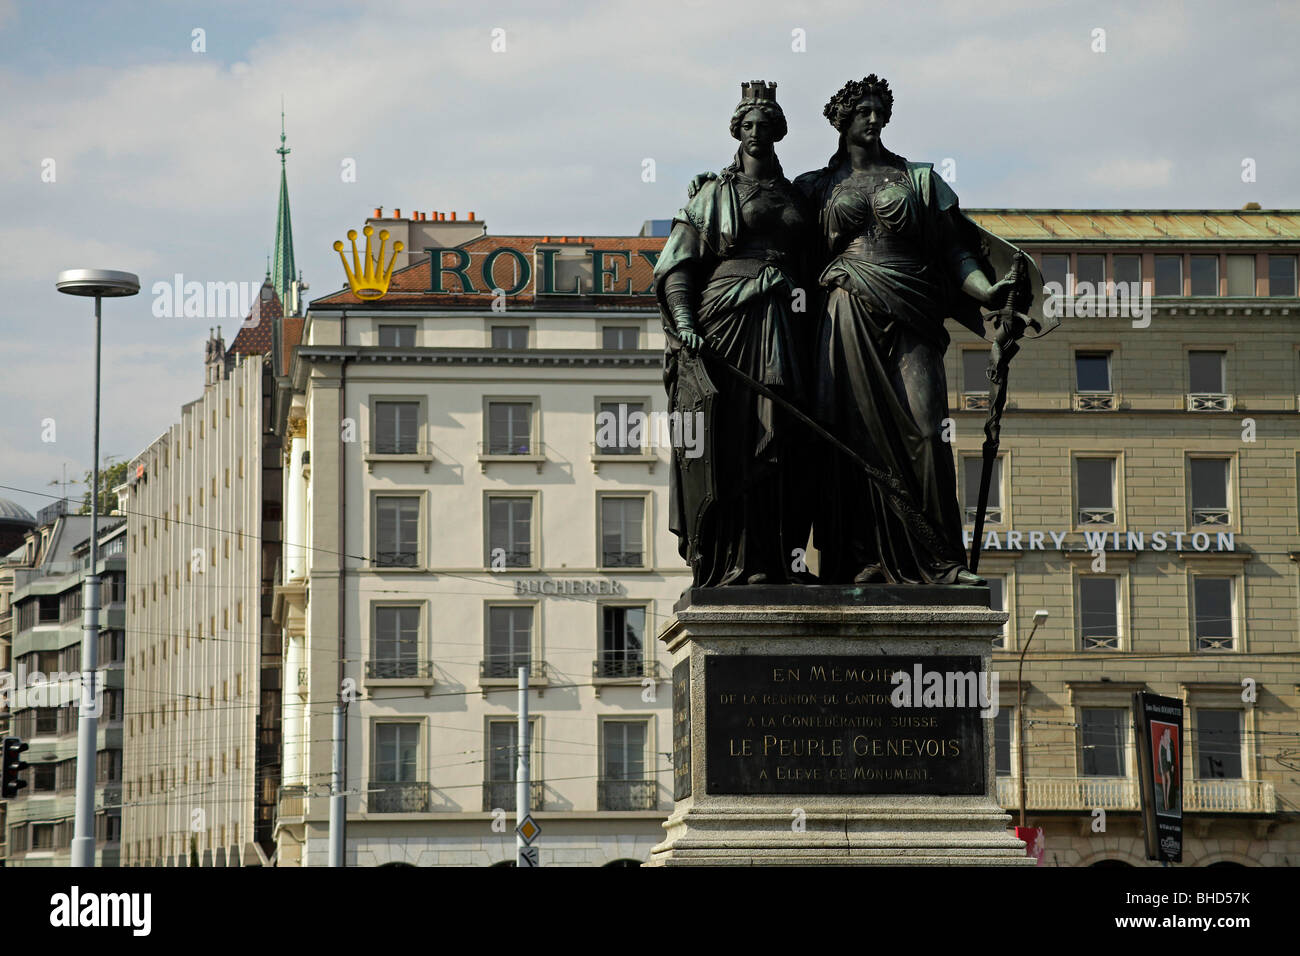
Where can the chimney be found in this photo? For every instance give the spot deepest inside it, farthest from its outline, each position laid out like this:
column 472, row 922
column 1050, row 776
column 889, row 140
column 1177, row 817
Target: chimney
column 379, row 212
column 471, row 217
column 442, row 217
column 453, row 217
column 397, row 213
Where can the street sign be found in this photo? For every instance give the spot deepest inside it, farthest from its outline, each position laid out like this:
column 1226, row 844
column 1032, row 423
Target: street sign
column 528, row 828
column 530, row 856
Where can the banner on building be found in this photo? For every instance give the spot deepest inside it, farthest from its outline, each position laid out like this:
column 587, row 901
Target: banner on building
column 1159, row 736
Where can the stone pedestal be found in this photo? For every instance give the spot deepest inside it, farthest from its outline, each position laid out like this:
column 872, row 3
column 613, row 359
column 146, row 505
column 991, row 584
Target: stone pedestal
column 794, row 743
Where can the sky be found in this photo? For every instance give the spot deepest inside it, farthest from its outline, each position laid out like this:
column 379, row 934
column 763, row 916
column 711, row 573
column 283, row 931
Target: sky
column 130, row 141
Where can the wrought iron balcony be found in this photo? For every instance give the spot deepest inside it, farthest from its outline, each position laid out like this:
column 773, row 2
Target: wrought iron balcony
column 1209, row 402
column 1216, row 516
column 974, row 401
column 993, row 515
column 1095, row 402
column 622, row 559
column 1096, row 516
column 397, row 559
column 500, row 795
column 627, row 795
column 388, row 796
column 511, row 559
column 501, row 668
column 615, row 664
column 381, row 669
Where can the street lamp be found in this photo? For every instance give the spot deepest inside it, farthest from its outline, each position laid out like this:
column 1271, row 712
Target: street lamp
column 102, row 284
column 1039, row 617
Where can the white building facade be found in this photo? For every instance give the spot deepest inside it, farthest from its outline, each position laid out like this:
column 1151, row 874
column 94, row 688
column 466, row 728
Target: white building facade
column 450, row 514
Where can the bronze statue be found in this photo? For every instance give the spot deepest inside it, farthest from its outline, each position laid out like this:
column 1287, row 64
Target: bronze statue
column 726, row 280
column 891, row 256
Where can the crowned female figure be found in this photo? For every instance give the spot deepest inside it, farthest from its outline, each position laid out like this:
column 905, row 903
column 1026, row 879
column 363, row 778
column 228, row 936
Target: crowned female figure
column 726, row 284
column 899, row 258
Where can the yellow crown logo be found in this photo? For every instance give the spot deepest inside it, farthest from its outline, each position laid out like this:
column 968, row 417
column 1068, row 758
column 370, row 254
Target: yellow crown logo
column 372, row 281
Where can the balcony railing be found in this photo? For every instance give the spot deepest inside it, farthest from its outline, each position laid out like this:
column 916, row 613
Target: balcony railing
column 1096, row 516
column 498, row 668
column 974, row 401
column 1121, row 793
column 622, row 559
column 992, row 514
column 614, row 664
column 627, row 795
column 397, row 559
column 1094, row 402
column 500, row 795
column 1218, row 516
column 387, row 796
column 1209, row 402
column 381, row 669
column 292, row 799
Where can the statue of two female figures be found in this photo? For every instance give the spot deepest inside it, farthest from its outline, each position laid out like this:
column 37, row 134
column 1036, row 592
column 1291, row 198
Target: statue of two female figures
column 891, row 256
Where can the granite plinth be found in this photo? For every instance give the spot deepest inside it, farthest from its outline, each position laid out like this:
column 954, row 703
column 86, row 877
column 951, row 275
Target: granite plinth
column 791, row 747
column 835, row 595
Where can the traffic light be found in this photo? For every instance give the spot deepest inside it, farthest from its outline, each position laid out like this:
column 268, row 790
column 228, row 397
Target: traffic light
column 13, row 766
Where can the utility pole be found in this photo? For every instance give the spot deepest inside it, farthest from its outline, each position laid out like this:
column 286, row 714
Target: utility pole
column 1039, row 617
column 338, row 799
column 522, row 767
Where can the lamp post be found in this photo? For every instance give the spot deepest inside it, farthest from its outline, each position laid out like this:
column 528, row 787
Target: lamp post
column 1039, row 617
column 102, row 284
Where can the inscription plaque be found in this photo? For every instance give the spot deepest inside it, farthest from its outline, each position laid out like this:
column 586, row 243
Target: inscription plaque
column 829, row 724
column 682, row 729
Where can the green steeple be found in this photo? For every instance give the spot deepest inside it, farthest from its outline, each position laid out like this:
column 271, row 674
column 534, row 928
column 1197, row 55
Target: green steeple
column 285, row 270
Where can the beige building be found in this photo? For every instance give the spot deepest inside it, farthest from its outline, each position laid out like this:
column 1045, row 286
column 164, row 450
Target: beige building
column 202, row 736
column 1147, row 499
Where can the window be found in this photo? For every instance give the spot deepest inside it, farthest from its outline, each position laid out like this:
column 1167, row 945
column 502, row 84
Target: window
column 1128, row 270
column 1281, row 276
column 395, row 643
column 1241, row 275
column 623, row 783
column 502, row 762
column 510, row 531
column 622, row 525
column 998, row 602
column 1205, row 275
column 1055, row 269
column 47, row 720
column 1212, row 603
column 972, row 469
column 44, row 777
column 510, row 428
column 1004, row 723
column 510, row 640
column 1092, row 371
column 1205, row 372
column 1095, row 487
column 620, row 428
column 974, row 381
column 1209, row 480
column 1099, row 613
column 1169, row 275
column 42, row 836
column 510, row 336
column 397, row 532
column 397, row 749
column 1091, row 269
column 620, row 337
column 1102, row 733
column 622, row 646
column 396, row 336
column 1218, row 744
column 397, row 428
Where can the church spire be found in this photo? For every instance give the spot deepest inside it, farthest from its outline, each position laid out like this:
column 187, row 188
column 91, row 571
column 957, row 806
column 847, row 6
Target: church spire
column 285, row 270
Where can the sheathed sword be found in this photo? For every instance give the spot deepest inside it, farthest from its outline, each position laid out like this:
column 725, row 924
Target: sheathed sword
column 1008, row 325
